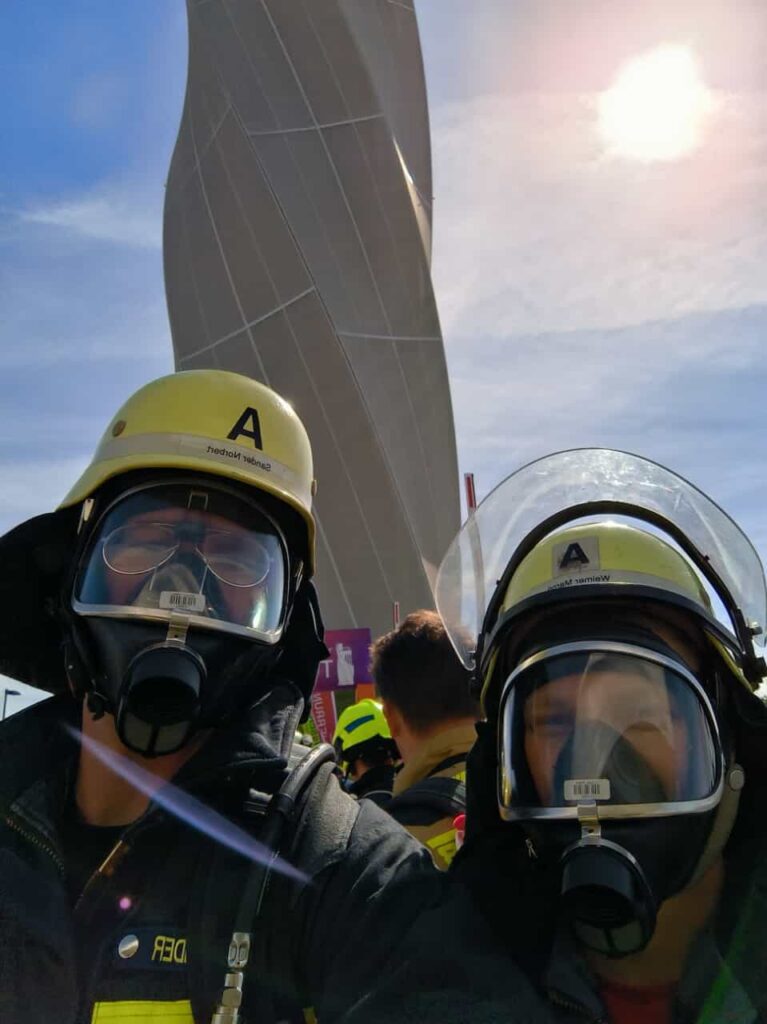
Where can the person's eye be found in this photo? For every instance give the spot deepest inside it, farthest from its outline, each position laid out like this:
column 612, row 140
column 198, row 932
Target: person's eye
column 555, row 722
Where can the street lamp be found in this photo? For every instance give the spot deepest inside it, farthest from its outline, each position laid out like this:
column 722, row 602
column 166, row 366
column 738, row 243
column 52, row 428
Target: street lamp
column 6, row 694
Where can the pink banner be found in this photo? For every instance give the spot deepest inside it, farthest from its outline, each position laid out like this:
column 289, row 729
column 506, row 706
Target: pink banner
column 349, row 661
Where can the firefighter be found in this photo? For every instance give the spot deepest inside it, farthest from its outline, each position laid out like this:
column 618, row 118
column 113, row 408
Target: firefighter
column 165, row 852
column 366, row 751
column 615, row 830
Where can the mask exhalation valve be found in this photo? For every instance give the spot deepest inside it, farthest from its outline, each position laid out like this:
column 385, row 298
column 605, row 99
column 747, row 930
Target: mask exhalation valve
column 606, row 897
column 159, row 703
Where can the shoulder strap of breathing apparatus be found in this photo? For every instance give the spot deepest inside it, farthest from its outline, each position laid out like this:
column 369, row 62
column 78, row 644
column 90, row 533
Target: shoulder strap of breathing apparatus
column 228, row 929
column 444, row 795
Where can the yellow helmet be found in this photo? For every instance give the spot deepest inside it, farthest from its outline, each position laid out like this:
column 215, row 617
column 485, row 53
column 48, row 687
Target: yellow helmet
column 595, row 560
column 363, row 722
column 599, row 485
column 210, row 421
column 207, row 421
column 600, row 555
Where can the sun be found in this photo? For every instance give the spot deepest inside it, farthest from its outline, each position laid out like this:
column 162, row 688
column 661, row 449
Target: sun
column 657, row 107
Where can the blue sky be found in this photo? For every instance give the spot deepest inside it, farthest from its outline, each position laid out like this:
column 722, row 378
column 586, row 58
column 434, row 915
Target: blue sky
column 585, row 298
column 91, row 107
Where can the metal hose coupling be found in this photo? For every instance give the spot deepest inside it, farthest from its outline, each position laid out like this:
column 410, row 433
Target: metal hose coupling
column 228, row 1009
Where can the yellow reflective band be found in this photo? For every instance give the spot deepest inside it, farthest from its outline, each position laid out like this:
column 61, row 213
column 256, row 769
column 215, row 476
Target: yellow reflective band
column 141, row 1011
column 310, row 1017
column 460, row 776
column 443, row 844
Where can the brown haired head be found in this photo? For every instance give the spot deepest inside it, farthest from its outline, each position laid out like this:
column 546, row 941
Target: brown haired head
column 417, row 671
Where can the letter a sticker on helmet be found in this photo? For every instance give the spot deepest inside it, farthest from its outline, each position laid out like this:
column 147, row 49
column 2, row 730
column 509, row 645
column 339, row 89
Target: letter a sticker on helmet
column 248, row 425
column 573, row 556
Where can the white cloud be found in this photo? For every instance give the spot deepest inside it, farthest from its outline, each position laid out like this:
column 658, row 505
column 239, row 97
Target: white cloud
column 547, row 382
column 115, row 214
column 82, row 327
column 537, row 229
column 64, row 303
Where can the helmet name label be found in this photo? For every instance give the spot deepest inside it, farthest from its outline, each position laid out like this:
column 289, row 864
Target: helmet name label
column 240, row 456
column 603, row 577
column 248, row 425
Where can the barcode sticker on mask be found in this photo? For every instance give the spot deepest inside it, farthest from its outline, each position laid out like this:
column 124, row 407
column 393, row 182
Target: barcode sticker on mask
column 587, row 789
column 177, row 601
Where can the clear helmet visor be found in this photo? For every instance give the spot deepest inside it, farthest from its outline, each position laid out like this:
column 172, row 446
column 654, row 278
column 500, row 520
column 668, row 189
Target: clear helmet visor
column 209, row 555
column 575, row 480
column 600, row 724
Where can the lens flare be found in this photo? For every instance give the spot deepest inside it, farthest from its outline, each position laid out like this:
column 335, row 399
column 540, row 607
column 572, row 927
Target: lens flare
column 657, row 107
column 189, row 809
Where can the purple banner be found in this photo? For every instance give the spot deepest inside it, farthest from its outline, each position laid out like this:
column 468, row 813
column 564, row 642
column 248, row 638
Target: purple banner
column 349, row 661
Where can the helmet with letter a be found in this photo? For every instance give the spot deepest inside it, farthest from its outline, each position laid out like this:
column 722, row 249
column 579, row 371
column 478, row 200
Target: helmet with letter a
column 173, row 569
column 214, row 422
column 613, row 614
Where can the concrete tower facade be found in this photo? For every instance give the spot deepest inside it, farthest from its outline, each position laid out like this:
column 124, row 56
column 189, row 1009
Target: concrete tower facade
column 297, row 250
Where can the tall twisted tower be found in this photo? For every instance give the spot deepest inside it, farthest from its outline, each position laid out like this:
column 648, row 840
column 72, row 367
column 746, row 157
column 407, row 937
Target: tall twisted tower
column 297, row 250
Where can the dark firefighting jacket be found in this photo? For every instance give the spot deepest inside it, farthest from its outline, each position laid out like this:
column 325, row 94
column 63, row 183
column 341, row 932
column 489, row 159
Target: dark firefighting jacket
column 723, row 980
column 147, row 938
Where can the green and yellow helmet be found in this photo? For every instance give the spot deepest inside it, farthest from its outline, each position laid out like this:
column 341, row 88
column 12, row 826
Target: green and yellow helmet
column 213, row 422
column 360, row 727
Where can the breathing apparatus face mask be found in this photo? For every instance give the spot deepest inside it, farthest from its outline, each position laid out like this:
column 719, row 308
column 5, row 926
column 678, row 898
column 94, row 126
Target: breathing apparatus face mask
column 182, row 592
column 610, row 754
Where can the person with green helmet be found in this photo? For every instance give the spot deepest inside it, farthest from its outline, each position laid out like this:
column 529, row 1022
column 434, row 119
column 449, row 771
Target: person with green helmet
column 366, row 751
column 616, row 836
column 166, row 853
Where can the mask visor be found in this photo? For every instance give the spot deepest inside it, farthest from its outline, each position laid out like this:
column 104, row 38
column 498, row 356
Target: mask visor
column 209, row 555
column 628, row 730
